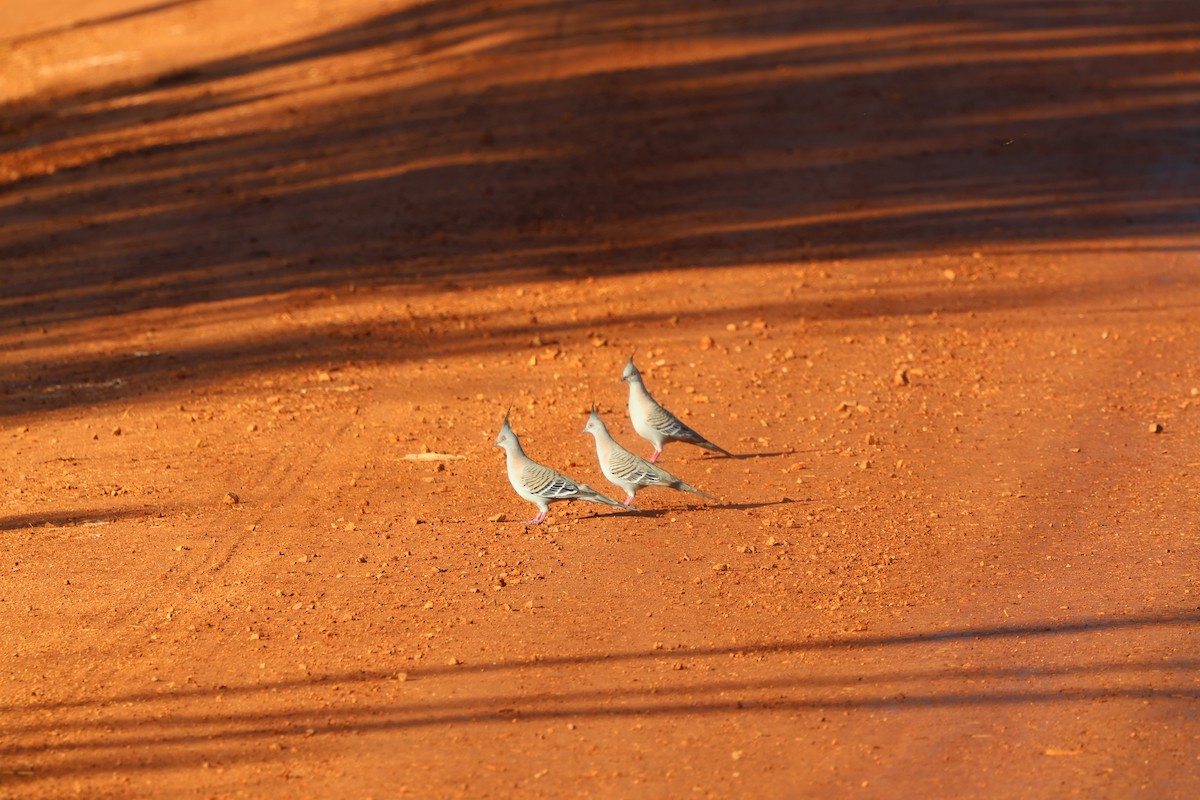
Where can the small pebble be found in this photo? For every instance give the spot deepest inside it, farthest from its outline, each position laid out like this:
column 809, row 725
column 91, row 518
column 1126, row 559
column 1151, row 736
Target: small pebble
column 231, row 499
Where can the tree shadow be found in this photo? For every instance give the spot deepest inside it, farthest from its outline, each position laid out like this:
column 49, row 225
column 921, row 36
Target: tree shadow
column 849, row 643
column 78, row 518
column 37, row 385
column 94, row 22
column 473, row 143
column 187, row 731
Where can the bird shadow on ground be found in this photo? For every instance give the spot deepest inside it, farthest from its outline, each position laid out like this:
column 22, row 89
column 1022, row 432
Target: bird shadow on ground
column 652, row 513
column 628, row 512
column 770, row 454
column 667, row 510
column 751, row 505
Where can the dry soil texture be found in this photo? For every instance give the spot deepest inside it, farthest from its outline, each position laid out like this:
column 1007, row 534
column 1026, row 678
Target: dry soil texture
column 932, row 270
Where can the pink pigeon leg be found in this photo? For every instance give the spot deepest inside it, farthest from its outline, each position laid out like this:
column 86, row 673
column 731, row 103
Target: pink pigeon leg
column 536, row 520
column 655, row 455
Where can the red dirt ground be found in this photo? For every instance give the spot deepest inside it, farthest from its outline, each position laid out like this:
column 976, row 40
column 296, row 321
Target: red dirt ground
column 933, row 269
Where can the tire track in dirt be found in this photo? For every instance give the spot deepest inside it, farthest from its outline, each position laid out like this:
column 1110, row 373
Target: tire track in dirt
column 189, row 585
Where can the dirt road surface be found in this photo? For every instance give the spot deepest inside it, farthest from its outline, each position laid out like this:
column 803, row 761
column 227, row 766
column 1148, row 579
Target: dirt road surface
column 932, row 271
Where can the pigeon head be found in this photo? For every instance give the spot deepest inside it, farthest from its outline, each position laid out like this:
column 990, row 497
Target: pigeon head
column 631, row 372
column 506, row 437
column 594, row 424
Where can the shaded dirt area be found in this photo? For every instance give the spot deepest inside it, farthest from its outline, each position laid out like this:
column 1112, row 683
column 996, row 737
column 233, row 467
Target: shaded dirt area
column 931, row 270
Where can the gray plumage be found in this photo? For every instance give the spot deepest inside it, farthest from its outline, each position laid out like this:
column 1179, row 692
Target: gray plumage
column 539, row 484
column 628, row 471
column 654, row 423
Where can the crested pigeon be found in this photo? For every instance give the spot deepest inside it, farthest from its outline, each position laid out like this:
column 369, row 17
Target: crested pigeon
column 654, row 423
column 538, row 484
column 629, row 471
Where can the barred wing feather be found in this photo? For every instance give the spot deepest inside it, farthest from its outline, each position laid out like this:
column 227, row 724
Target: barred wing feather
column 631, row 468
column 667, row 424
column 547, row 483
